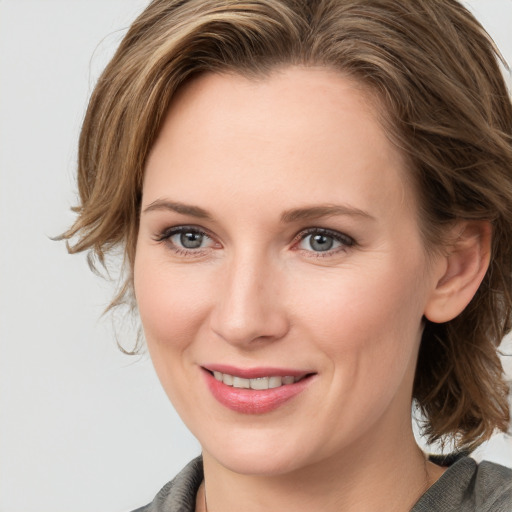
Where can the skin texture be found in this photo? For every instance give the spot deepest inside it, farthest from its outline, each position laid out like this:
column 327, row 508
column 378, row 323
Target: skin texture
column 256, row 293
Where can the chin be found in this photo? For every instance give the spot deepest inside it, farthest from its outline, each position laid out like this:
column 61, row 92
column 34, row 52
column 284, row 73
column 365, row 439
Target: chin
column 257, row 464
column 263, row 455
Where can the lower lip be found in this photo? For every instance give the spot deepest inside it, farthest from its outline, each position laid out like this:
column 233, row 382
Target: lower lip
column 251, row 401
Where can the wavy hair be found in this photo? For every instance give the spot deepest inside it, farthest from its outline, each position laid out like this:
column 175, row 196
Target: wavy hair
column 436, row 74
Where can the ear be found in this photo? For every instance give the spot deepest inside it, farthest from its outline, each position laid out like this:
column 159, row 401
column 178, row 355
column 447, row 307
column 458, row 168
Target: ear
column 459, row 271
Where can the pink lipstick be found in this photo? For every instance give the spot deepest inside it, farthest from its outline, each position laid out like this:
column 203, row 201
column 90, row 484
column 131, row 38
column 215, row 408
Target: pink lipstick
column 256, row 390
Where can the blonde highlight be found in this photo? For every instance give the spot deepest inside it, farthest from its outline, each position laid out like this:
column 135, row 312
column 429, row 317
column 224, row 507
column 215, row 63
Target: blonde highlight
column 446, row 106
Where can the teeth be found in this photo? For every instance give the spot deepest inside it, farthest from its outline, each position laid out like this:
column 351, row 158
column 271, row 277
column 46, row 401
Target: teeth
column 238, row 382
column 258, row 384
column 227, row 379
column 274, row 382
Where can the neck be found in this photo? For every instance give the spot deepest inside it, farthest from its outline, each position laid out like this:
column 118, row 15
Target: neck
column 387, row 477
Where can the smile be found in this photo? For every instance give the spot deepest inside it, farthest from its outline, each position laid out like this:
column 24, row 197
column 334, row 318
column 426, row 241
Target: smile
column 259, row 383
column 256, row 390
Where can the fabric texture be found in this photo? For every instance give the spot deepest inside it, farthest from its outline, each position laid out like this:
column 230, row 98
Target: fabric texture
column 464, row 487
column 469, row 487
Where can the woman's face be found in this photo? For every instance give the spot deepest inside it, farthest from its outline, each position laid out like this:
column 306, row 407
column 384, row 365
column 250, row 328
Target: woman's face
column 279, row 249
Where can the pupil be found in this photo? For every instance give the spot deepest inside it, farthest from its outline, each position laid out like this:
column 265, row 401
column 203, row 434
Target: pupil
column 321, row 242
column 191, row 240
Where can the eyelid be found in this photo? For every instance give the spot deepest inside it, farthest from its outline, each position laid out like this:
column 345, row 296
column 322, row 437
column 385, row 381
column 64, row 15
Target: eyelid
column 182, row 228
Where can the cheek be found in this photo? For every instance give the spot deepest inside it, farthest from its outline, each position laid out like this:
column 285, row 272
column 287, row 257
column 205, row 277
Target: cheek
column 171, row 308
column 366, row 319
column 170, row 303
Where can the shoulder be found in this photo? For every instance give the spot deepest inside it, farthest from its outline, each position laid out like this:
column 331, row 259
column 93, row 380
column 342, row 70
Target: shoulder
column 178, row 495
column 493, row 483
column 470, row 487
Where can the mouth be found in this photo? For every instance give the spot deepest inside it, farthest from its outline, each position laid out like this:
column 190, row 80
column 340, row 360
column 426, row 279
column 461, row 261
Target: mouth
column 258, row 383
column 255, row 391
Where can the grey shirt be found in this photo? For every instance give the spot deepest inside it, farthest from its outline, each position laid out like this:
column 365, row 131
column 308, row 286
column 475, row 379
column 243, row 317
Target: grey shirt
column 464, row 487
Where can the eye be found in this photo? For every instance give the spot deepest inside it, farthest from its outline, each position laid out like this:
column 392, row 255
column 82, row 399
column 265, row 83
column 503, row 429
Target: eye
column 189, row 239
column 321, row 240
column 186, row 239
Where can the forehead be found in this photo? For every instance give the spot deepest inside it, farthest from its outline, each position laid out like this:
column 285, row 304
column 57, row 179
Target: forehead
column 298, row 129
column 294, row 92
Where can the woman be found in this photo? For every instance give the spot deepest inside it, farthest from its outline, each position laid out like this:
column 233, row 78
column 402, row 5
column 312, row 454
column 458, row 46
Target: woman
column 315, row 205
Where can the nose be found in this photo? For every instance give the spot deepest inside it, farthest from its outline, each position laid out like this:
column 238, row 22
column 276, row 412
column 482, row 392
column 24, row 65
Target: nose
column 249, row 307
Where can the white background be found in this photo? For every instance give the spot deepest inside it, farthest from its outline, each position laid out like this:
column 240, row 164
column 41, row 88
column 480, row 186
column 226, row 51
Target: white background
column 82, row 426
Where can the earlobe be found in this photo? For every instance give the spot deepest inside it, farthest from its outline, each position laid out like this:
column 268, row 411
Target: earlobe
column 461, row 270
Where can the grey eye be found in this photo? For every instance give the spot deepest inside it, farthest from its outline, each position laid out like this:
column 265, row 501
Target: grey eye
column 191, row 240
column 320, row 242
column 323, row 240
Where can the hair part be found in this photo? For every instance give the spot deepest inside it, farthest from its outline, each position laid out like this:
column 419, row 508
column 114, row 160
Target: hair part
column 445, row 105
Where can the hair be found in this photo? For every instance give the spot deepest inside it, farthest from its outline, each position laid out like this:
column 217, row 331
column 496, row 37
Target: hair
column 436, row 74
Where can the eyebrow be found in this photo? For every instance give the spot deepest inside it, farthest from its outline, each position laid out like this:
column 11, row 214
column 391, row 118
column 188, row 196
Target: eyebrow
column 289, row 216
column 184, row 209
column 315, row 212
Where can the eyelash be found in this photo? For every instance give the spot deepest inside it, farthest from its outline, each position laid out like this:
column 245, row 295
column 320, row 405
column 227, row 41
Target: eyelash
column 345, row 241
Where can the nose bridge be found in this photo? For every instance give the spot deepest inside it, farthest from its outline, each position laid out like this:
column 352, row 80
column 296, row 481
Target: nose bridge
column 249, row 305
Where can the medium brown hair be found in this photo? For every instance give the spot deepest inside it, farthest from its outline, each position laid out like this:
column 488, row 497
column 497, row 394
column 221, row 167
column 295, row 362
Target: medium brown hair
column 436, row 73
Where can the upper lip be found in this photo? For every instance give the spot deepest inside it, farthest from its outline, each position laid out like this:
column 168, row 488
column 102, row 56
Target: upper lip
column 257, row 372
